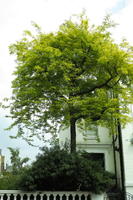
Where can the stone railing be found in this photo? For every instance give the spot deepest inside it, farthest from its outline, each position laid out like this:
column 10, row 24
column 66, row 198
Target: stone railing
column 129, row 196
column 48, row 195
column 118, row 196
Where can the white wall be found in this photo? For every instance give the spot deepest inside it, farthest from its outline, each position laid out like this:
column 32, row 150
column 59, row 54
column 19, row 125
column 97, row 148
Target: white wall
column 97, row 196
column 127, row 135
column 92, row 145
column 105, row 146
column 103, row 134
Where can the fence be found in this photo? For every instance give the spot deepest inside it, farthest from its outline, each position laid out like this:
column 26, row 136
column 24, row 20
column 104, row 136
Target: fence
column 61, row 195
column 113, row 196
column 118, row 196
column 39, row 195
column 129, row 196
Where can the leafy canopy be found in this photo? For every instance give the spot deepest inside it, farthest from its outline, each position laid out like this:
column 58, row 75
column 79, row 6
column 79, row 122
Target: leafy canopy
column 77, row 73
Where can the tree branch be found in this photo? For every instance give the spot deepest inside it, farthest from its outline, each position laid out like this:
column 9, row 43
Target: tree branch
column 95, row 118
column 94, row 88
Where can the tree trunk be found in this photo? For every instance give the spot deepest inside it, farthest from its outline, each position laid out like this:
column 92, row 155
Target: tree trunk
column 73, row 135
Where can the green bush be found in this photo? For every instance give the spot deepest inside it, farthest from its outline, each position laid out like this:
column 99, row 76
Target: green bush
column 57, row 169
column 8, row 181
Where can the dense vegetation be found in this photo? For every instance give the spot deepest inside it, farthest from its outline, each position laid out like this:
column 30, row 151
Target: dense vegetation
column 56, row 169
column 8, row 181
column 12, row 175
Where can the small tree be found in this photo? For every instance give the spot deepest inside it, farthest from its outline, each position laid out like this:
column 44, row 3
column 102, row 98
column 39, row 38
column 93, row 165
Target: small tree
column 64, row 77
column 10, row 179
column 16, row 161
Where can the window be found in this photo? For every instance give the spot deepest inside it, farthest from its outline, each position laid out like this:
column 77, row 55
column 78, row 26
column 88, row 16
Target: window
column 91, row 133
column 99, row 157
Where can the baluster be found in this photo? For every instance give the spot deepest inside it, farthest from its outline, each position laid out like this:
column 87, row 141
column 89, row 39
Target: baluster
column 41, row 196
column 8, row 196
column 15, row 196
column 28, row 196
column 2, row 195
column 60, row 195
column 79, row 196
column 48, row 196
column 21, row 196
column 34, row 195
column 67, row 196
column 86, row 195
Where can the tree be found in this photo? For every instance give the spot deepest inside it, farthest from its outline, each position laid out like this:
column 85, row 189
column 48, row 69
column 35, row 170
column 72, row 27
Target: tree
column 10, row 178
column 65, row 171
column 9, row 181
column 77, row 73
column 16, row 161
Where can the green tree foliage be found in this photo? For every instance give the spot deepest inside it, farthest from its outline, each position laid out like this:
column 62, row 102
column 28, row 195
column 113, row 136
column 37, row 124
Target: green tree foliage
column 16, row 161
column 64, row 77
column 9, row 181
column 57, row 169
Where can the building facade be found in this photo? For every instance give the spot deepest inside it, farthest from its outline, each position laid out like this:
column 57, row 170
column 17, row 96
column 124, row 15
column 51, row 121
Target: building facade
column 115, row 150
column 2, row 162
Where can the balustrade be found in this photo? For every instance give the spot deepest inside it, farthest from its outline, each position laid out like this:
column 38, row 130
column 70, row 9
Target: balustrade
column 129, row 196
column 39, row 195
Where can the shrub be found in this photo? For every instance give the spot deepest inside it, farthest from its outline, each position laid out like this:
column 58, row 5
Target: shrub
column 9, row 181
column 57, row 169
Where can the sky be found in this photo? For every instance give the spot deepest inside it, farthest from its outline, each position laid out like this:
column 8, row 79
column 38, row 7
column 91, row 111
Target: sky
column 17, row 16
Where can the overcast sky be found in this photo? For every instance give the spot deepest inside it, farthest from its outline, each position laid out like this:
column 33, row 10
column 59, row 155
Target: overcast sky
column 17, row 15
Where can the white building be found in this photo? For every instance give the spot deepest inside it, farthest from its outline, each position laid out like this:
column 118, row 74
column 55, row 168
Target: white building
column 115, row 150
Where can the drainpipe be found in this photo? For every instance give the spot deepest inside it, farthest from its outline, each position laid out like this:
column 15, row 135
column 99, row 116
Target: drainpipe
column 113, row 142
column 121, row 160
